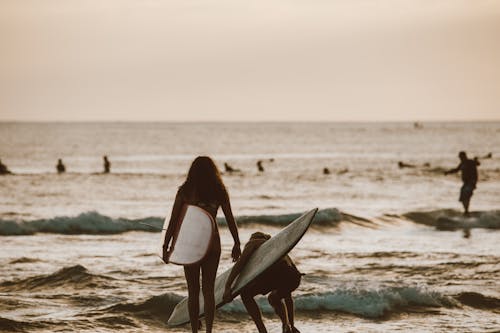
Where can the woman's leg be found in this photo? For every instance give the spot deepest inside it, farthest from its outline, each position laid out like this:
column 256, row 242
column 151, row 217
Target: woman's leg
column 192, row 274
column 209, row 272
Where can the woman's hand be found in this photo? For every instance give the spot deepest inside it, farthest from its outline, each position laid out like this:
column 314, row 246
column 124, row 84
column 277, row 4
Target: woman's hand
column 166, row 255
column 236, row 252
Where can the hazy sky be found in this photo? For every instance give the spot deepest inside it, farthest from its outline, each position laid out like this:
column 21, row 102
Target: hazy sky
column 304, row 60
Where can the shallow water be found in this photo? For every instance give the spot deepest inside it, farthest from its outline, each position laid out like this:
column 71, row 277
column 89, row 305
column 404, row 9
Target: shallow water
column 75, row 256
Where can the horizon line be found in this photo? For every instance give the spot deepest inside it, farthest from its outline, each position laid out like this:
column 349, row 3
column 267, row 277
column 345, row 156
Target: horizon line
column 251, row 121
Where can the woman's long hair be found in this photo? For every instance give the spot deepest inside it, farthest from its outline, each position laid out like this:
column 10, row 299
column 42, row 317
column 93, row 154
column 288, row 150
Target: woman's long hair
column 204, row 181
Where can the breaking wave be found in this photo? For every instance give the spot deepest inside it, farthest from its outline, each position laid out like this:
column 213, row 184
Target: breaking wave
column 448, row 219
column 77, row 276
column 368, row 303
column 376, row 303
column 85, row 223
column 479, row 301
column 97, row 224
column 156, row 307
column 10, row 325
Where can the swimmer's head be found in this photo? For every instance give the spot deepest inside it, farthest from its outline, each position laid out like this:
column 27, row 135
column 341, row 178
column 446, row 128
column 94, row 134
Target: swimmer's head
column 462, row 155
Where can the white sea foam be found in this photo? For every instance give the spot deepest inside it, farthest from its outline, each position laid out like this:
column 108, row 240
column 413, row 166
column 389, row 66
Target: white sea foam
column 370, row 303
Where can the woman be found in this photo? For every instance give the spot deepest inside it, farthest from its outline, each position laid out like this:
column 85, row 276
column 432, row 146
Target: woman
column 203, row 188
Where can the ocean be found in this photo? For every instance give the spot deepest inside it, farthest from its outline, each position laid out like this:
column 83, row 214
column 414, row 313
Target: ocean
column 386, row 252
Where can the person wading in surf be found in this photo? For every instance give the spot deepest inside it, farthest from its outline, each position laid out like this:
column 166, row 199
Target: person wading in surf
column 468, row 169
column 60, row 167
column 279, row 280
column 3, row 169
column 106, row 164
column 203, row 188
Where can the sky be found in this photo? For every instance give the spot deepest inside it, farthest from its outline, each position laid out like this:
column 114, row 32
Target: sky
column 260, row 60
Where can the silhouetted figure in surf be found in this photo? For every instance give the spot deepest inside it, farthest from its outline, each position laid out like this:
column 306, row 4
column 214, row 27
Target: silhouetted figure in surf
column 203, row 188
column 326, row 171
column 3, row 169
column 403, row 165
column 489, row 155
column 343, row 171
column 468, row 168
column 107, row 164
column 230, row 169
column 60, row 167
column 279, row 281
column 259, row 166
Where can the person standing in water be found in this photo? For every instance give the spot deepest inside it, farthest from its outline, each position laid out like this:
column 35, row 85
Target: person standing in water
column 279, row 281
column 468, row 168
column 107, row 164
column 3, row 169
column 60, row 167
column 203, row 188
column 259, row 166
column 230, row 169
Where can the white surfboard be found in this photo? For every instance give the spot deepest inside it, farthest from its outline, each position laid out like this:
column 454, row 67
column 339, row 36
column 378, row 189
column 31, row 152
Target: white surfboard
column 265, row 256
column 192, row 239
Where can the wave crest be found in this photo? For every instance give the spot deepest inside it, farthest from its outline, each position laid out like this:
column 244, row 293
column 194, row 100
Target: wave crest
column 448, row 219
column 477, row 300
column 73, row 275
column 96, row 224
column 155, row 307
column 10, row 325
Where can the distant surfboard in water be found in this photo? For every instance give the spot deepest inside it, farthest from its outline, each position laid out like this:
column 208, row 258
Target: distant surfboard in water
column 266, row 255
column 192, row 237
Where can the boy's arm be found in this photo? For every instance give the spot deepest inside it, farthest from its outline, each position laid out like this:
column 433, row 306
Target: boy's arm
column 238, row 267
column 453, row 170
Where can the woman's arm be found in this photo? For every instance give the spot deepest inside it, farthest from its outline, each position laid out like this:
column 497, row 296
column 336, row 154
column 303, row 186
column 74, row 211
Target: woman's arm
column 231, row 223
column 172, row 224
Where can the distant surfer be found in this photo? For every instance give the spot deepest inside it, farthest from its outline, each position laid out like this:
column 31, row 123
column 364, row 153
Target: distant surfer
column 489, row 155
column 60, row 167
column 203, row 188
column 107, row 164
column 279, row 281
column 259, row 166
column 326, row 171
column 343, row 171
column 403, row 165
column 3, row 169
column 468, row 168
column 230, row 169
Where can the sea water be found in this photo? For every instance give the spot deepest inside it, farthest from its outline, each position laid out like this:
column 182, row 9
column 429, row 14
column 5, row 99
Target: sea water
column 75, row 255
